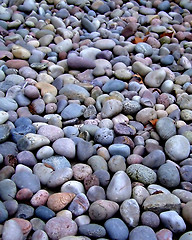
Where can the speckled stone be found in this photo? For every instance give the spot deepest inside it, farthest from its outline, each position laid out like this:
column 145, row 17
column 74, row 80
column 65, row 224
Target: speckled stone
column 92, row 230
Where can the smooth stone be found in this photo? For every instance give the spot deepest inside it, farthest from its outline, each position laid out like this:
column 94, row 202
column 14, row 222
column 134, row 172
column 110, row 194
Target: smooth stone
column 80, row 63
column 186, row 115
column 73, row 186
column 39, row 198
column 7, row 189
column 63, row 46
column 37, row 224
column 91, row 180
column 20, row 52
column 119, row 149
column 46, row 88
column 111, row 108
column 95, row 193
column 173, row 221
column 68, row 151
column 70, row 131
column 145, row 115
column 162, row 202
column 177, row 148
column 140, row 193
column 167, row 86
column 92, row 230
column 73, row 110
column 119, row 187
column 11, row 206
column 150, row 219
column 103, row 176
column 104, row 136
column 116, row 229
column 186, row 236
column 4, row 132
column 104, row 44
column 32, row 141
column 88, row 25
column 142, row 233
column 59, row 177
column 130, row 212
column 75, row 92
column 28, row 72
column 79, row 205
column 24, row 211
column 186, row 212
column 81, row 170
column 3, row 212
column 167, row 60
column 155, row 78
column 42, row 172
column 57, row 162
column 8, row 148
column 57, row 201
column 51, row 132
column 153, row 188
column 44, row 152
column 80, row 153
column 102, row 210
column 168, row 175
column 90, row 53
column 25, row 225
column 184, row 101
column 12, row 230
column 144, row 48
column 114, row 85
column 20, row 131
column 8, row 104
column 38, row 106
column 154, row 159
column 39, row 235
column 141, row 68
column 165, row 128
column 141, row 173
column 59, row 227
column 117, row 163
column 4, row 116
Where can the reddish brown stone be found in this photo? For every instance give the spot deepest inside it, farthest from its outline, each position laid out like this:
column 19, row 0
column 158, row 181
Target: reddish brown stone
column 129, row 30
column 16, row 63
column 91, row 180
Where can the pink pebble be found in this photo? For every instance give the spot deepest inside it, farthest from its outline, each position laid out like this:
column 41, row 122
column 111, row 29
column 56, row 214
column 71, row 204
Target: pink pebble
column 39, row 198
column 24, row 194
column 164, row 234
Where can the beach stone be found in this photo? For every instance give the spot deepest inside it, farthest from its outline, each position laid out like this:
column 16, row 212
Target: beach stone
column 79, row 205
column 24, row 211
column 59, row 177
column 168, row 175
column 186, row 236
column 141, row 68
column 4, row 116
column 80, row 153
column 51, row 132
column 116, row 229
column 44, row 152
column 102, row 210
column 117, row 163
column 46, row 88
column 177, row 147
column 44, row 213
column 80, row 63
column 4, row 213
column 7, row 104
column 142, row 232
column 164, row 234
column 166, row 128
column 63, row 46
column 7, row 189
column 119, row 187
column 184, row 101
column 11, row 206
column 141, row 173
column 68, row 151
column 92, row 230
column 111, row 108
column 131, row 107
column 186, row 115
column 104, row 44
column 40, row 235
column 103, row 176
column 58, row 201
column 155, row 78
column 73, row 111
column 28, row 72
column 185, row 172
column 173, row 221
column 57, row 162
column 75, row 92
column 150, row 219
column 81, row 170
column 186, row 212
column 95, row 193
column 42, row 172
column 25, row 225
column 32, row 141
column 104, row 136
column 144, row 48
column 119, row 149
column 20, row 52
column 154, row 159
column 59, row 227
column 73, row 186
column 162, row 202
column 27, row 158
column 4, row 132
column 113, row 85
column 130, row 212
column 90, row 180
column 153, row 188
column 139, row 193
column 88, row 25
column 12, row 230
column 32, row 182
column 39, row 198
column 145, row 115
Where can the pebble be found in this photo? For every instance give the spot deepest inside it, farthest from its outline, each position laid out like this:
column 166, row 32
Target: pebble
column 90, row 91
column 92, row 230
column 116, row 229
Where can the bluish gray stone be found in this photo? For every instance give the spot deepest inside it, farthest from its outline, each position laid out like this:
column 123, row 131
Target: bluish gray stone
column 113, row 85
column 154, row 159
column 116, row 229
column 4, row 132
column 167, row 60
column 7, row 189
column 72, row 111
column 24, row 211
column 7, row 104
column 92, row 230
column 44, row 213
column 3, row 213
column 144, row 48
column 57, row 162
column 104, row 136
column 119, row 149
column 142, row 233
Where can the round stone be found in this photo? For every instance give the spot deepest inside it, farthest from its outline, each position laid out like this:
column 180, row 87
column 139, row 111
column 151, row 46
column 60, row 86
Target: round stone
column 166, row 128
column 177, row 148
column 69, row 150
column 44, row 213
column 142, row 233
column 104, row 136
column 150, row 219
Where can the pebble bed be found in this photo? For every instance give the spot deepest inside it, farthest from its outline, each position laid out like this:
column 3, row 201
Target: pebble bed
column 95, row 120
